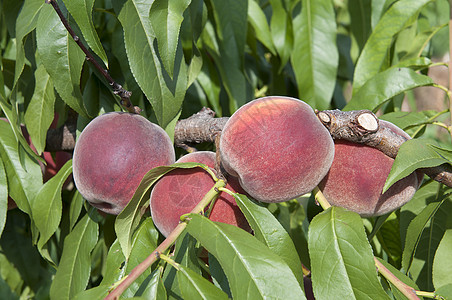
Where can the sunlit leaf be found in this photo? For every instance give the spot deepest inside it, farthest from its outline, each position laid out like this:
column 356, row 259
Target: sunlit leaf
column 74, row 269
column 253, row 270
column 442, row 263
column 315, row 57
column 342, row 262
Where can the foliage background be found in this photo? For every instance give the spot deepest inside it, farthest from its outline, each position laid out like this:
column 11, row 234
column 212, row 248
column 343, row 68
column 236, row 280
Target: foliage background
column 176, row 57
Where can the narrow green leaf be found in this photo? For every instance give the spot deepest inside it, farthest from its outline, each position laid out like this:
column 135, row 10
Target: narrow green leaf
column 3, row 197
column 166, row 18
column 81, row 11
column 61, row 57
column 405, row 119
column 154, row 288
column 384, row 86
column 231, row 20
column 414, row 231
column 258, row 20
column 39, row 114
column 282, row 30
column 413, row 154
column 253, row 270
column 269, row 231
column 144, row 241
column 98, row 292
column 421, row 41
column 194, row 286
column 374, row 53
column 23, row 174
column 75, row 208
column 47, row 205
column 315, row 56
column 25, row 23
column 127, row 221
column 360, row 18
column 75, row 265
column 442, row 263
column 114, row 265
column 165, row 94
column 342, row 262
column 420, row 262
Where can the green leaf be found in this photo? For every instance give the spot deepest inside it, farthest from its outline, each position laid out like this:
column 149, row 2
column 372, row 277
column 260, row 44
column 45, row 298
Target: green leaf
column 47, row 205
column 144, row 241
column 360, row 18
column 342, row 263
column 413, row 154
column 426, row 239
column 371, row 60
column 231, row 28
column 98, row 292
column 282, row 30
column 25, row 23
column 81, row 11
column 405, row 119
column 75, row 208
column 165, row 94
column 129, row 218
column 166, row 18
column 415, row 229
column 442, row 263
column 3, row 197
column 421, row 41
column 194, row 286
column 269, row 231
column 258, row 20
column 154, row 288
column 61, row 57
column 315, row 56
column 114, row 265
column 75, row 265
column 23, row 174
column 39, row 114
column 253, row 270
column 385, row 85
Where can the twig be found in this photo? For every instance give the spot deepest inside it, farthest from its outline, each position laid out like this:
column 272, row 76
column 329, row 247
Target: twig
column 117, row 88
column 164, row 246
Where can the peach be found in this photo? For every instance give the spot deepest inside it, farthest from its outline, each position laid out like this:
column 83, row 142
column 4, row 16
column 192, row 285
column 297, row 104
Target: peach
column 356, row 179
column 113, row 153
column 179, row 191
column 277, row 148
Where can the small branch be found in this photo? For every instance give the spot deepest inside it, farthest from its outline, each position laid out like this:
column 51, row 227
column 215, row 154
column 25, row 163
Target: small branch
column 165, row 245
column 406, row 290
column 320, row 199
column 117, row 88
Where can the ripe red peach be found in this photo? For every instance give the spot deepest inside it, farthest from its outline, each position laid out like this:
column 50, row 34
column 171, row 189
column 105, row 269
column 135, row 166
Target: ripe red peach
column 356, row 179
column 277, row 148
column 113, row 153
column 179, row 191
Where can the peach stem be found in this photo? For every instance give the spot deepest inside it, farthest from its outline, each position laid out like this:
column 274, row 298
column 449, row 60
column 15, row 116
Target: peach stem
column 165, row 245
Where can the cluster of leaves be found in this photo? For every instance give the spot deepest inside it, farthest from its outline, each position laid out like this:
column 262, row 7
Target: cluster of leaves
column 176, row 57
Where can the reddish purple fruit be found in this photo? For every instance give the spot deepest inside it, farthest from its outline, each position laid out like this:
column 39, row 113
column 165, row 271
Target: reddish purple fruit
column 356, row 179
column 112, row 155
column 179, row 191
column 277, row 148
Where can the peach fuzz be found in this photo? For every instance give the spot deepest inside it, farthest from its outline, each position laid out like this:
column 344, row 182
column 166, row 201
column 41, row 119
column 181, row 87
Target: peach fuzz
column 356, row 179
column 277, row 148
column 180, row 190
column 113, row 153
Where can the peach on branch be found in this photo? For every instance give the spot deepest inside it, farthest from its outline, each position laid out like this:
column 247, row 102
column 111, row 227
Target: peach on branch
column 356, row 179
column 113, row 153
column 179, row 191
column 277, row 148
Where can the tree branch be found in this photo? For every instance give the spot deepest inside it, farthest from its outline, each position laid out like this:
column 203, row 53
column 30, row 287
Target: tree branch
column 117, row 88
